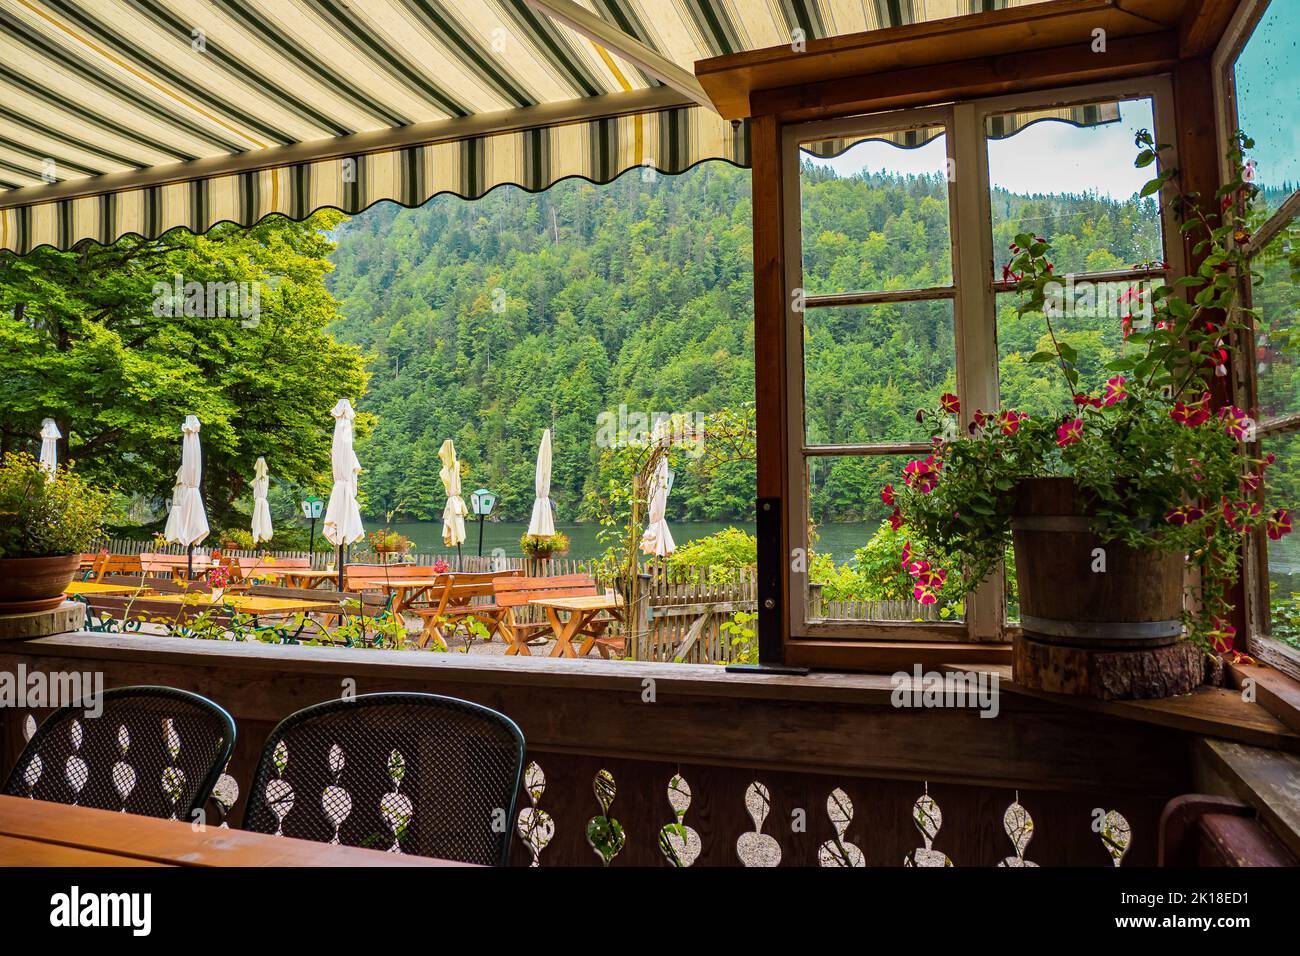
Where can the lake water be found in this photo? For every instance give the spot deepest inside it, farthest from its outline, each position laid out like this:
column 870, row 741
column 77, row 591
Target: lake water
column 837, row 539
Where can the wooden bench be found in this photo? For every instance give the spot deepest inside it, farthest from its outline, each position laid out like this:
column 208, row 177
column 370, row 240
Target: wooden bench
column 451, row 605
column 174, row 566
column 127, row 612
column 259, row 564
column 106, row 564
column 140, row 580
column 512, row 593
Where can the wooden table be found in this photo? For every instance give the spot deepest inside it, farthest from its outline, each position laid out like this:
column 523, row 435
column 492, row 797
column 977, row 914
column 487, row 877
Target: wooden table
column 94, row 587
column 582, row 613
column 37, row 833
column 406, row 591
column 250, row 603
column 302, row 577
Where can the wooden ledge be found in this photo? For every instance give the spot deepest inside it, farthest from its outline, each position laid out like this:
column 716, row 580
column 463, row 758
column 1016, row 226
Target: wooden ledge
column 1266, row 780
column 1213, row 711
column 709, row 680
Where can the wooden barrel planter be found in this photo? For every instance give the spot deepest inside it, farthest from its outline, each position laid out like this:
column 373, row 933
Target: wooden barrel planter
column 1098, row 619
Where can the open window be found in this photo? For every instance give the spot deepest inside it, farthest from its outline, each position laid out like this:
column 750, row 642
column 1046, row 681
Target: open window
column 898, row 228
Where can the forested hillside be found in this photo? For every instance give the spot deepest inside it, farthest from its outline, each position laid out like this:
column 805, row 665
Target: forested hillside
column 489, row 321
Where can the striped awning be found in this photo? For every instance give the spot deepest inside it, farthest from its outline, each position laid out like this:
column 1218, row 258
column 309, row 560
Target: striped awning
column 137, row 116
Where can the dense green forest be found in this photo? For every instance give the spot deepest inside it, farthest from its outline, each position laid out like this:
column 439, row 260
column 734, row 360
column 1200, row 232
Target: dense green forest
column 489, row 321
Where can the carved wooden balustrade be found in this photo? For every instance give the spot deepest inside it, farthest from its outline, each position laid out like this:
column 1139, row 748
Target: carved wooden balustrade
column 663, row 764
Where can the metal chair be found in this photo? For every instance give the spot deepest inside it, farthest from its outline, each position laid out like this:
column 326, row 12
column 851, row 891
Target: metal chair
column 153, row 751
column 407, row 773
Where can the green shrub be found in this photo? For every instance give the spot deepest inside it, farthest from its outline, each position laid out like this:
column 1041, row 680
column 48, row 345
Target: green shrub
column 538, row 546
column 40, row 518
column 723, row 554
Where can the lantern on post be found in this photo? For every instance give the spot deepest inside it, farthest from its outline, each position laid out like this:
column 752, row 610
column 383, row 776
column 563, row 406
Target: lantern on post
column 312, row 508
column 481, row 503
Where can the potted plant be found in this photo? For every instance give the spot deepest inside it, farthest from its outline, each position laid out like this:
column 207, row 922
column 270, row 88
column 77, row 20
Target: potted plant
column 45, row 524
column 1140, row 488
column 388, row 544
column 539, row 547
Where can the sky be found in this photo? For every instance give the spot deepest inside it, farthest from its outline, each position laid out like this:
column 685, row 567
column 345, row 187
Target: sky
column 1054, row 157
column 1047, row 157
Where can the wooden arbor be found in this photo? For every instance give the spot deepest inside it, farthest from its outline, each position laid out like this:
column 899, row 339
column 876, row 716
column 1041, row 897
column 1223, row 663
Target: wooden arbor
column 1042, row 55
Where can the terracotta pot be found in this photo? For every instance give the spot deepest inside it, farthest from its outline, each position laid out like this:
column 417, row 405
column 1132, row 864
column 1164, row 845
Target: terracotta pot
column 1065, row 595
column 35, row 584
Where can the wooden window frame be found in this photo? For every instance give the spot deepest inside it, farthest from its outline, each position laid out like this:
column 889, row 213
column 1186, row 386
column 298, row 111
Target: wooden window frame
column 1258, row 617
column 973, row 291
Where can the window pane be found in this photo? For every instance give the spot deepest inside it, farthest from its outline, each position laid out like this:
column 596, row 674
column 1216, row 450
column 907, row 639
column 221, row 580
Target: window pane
column 875, row 217
column 1077, row 187
column 867, row 369
column 855, row 570
column 1275, row 296
column 1282, row 490
column 1093, row 327
column 1267, row 76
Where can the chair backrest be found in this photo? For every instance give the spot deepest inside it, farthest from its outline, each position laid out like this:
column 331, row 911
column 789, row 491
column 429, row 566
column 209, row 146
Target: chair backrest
column 251, row 564
column 410, row 773
column 306, row 594
column 166, row 564
column 472, row 584
column 116, row 564
column 128, row 607
column 140, row 580
column 517, row 591
column 154, row 751
column 362, row 577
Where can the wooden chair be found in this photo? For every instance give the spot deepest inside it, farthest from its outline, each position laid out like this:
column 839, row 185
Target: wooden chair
column 511, row 593
column 452, row 605
column 106, row 564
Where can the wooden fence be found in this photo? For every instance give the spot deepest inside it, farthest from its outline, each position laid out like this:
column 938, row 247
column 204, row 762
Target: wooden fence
column 684, row 613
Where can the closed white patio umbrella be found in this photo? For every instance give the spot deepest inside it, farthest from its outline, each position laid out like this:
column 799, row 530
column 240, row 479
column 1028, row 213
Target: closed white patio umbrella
column 187, row 523
column 453, row 516
column 543, row 521
column 50, row 436
column 658, row 540
column 262, row 530
column 343, row 514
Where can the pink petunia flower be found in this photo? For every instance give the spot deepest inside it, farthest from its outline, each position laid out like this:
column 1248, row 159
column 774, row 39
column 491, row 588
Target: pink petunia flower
column 1193, row 413
column 1070, row 432
column 1010, row 421
column 1279, row 524
column 896, row 519
column 887, row 495
column 1115, row 391
column 1236, row 422
column 922, row 473
column 949, row 403
column 1185, row 514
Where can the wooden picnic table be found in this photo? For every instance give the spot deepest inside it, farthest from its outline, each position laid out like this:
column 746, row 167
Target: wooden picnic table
column 302, row 577
column 250, row 603
column 94, row 587
column 38, row 833
column 582, row 614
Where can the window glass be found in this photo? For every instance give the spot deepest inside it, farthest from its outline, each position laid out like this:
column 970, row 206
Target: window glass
column 1267, row 75
column 868, row 368
column 1275, row 297
column 1075, row 186
column 875, row 215
column 855, row 568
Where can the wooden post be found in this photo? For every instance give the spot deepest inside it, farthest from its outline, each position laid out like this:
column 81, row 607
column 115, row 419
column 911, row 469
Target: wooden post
column 770, row 304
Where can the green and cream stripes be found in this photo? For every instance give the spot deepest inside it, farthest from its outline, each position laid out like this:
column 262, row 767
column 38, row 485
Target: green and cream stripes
column 669, row 141
column 115, row 86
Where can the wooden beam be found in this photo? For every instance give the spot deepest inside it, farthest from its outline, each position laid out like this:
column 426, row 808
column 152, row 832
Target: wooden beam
column 1203, row 25
column 582, row 20
column 968, row 79
column 734, row 80
column 418, row 134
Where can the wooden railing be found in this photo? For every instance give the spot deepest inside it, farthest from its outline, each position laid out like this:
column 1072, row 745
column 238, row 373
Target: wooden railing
column 701, row 766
